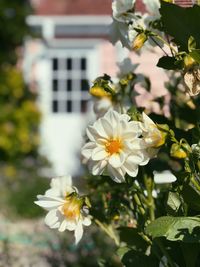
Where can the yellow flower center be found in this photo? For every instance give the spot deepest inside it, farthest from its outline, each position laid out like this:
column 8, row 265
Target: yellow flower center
column 71, row 208
column 113, row 146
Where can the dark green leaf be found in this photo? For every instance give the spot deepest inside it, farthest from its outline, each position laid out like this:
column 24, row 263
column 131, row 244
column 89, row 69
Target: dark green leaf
column 136, row 258
column 186, row 229
column 190, row 254
column 168, row 63
column 191, row 197
column 181, row 23
column 131, row 237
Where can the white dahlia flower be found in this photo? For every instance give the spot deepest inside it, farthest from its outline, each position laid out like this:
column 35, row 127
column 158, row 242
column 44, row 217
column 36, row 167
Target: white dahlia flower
column 66, row 209
column 114, row 146
column 153, row 137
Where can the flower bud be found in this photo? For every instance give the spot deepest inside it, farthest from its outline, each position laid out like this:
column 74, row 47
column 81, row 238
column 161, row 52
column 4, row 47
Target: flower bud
column 177, row 151
column 169, row 1
column 188, row 61
column 139, row 41
column 99, row 92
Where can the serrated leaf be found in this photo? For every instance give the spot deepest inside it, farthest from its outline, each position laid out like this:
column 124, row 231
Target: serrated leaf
column 186, row 229
column 181, row 23
column 168, row 63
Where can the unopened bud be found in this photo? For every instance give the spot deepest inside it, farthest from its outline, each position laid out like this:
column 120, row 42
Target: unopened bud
column 139, row 41
column 177, row 151
column 99, row 92
column 188, row 61
column 169, row 1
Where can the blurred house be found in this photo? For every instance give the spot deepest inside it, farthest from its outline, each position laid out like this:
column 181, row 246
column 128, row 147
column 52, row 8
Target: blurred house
column 72, row 50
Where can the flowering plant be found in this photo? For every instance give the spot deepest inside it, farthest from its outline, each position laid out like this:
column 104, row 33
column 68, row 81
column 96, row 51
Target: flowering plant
column 143, row 168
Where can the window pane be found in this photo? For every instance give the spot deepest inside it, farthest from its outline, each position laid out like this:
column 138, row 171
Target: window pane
column 69, row 106
column 55, row 85
column 55, row 106
column 55, row 64
column 83, row 64
column 69, row 64
column 83, row 106
column 69, row 85
column 84, row 85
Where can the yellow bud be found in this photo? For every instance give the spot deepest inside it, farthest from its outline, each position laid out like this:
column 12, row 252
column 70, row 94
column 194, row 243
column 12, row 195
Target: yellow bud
column 189, row 61
column 169, row 1
column 99, row 92
column 177, row 151
column 139, row 41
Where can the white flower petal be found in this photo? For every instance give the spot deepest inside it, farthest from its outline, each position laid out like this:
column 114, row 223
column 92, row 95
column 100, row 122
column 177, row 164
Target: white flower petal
column 63, row 226
column 78, row 233
column 99, row 153
column 116, row 174
column 48, row 202
column 71, row 225
column 98, row 167
column 86, row 221
column 116, row 160
column 131, row 169
column 51, row 217
column 87, row 150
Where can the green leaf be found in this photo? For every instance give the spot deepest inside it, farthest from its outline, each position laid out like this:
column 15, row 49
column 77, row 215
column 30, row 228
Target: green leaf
column 181, row 23
column 169, row 63
column 173, row 203
column 136, row 258
column 121, row 251
column 191, row 197
column 195, row 54
column 191, row 43
column 186, row 229
column 132, row 238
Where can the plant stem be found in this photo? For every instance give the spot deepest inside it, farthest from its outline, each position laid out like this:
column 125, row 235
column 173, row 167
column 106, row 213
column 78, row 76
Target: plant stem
column 108, row 230
column 139, row 204
column 165, row 42
column 148, row 181
column 158, row 45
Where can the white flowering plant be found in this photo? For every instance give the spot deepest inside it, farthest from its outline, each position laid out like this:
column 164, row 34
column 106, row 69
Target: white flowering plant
column 142, row 166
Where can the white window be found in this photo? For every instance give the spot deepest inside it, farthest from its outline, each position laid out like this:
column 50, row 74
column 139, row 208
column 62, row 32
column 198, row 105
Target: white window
column 70, row 81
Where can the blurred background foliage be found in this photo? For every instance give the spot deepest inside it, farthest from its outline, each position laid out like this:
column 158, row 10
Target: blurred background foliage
column 21, row 165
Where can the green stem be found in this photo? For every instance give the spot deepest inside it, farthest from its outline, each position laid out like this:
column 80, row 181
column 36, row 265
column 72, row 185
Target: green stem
column 139, row 204
column 165, row 42
column 108, row 230
column 158, row 45
column 148, row 181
